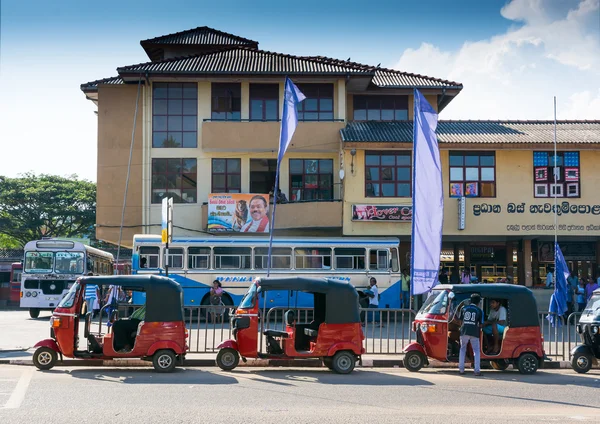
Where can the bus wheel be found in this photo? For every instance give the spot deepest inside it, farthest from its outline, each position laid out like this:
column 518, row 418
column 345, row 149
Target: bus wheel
column 44, row 358
column 34, row 312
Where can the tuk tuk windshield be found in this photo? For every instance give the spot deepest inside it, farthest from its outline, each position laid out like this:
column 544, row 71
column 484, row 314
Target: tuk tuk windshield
column 435, row 304
column 69, row 298
column 248, row 300
column 593, row 304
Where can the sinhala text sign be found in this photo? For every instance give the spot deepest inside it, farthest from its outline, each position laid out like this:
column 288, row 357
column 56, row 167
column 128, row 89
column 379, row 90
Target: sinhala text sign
column 378, row 213
column 245, row 213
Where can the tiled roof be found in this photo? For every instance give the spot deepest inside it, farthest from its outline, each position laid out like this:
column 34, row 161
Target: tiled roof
column 201, row 36
column 93, row 85
column 478, row 132
column 244, row 60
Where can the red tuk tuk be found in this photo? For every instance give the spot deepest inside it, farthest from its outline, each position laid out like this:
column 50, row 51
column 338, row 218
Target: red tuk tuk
column 438, row 333
column 334, row 334
column 158, row 335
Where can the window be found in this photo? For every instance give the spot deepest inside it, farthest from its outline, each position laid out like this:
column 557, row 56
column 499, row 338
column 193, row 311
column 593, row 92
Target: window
column 311, row 179
column 232, row 257
column 309, row 258
column 281, row 258
column 226, row 101
column 380, row 108
column 264, row 102
column 149, row 256
column 318, row 105
column 174, row 178
column 199, row 257
column 388, row 174
column 378, row 260
column 174, row 115
column 472, row 174
column 175, row 258
column 226, row 176
column 567, row 183
column 349, row 258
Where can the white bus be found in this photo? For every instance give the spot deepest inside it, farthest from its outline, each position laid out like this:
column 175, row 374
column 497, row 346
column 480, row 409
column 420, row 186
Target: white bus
column 51, row 266
column 235, row 261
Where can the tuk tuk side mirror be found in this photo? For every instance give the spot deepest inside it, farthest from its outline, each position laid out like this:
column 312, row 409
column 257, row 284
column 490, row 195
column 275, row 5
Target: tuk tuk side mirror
column 451, row 295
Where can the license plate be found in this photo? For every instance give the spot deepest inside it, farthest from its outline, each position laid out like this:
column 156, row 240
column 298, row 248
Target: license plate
column 52, row 298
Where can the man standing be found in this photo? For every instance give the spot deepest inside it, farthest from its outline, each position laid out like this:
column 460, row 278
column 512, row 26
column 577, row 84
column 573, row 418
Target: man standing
column 259, row 211
column 549, row 278
column 471, row 318
column 405, row 294
column 443, row 276
column 373, row 294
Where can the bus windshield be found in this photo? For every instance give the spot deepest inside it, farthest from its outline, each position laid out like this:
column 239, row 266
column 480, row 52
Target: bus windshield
column 69, row 262
column 39, row 261
column 248, row 300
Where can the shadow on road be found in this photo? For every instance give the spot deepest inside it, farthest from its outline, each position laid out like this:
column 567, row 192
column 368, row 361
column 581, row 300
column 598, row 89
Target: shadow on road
column 357, row 378
column 149, row 376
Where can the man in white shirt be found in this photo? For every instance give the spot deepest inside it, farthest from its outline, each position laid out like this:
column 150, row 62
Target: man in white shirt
column 259, row 212
column 549, row 279
column 373, row 293
column 496, row 323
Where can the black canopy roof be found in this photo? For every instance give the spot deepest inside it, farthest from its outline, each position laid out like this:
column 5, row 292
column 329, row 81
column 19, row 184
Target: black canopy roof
column 164, row 297
column 522, row 307
column 341, row 304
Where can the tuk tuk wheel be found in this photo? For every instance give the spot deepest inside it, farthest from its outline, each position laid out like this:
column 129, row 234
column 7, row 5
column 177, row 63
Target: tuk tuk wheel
column 499, row 365
column 328, row 362
column 528, row 363
column 228, row 359
column 164, row 360
column 414, row 361
column 34, row 312
column 44, row 358
column 343, row 362
column 581, row 363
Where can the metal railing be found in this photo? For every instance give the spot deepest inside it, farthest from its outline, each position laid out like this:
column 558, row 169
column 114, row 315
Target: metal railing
column 561, row 338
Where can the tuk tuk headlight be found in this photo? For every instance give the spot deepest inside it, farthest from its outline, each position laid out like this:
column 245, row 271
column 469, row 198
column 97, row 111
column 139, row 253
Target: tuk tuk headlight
column 594, row 329
column 423, row 327
column 579, row 329
column 34, row 294
column 28, row 294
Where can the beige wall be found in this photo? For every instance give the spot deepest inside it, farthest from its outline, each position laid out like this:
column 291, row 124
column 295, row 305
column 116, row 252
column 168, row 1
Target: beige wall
column 116, row 108
column 514, row 184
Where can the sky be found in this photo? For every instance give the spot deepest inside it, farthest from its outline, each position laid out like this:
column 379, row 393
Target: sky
column 512, row 56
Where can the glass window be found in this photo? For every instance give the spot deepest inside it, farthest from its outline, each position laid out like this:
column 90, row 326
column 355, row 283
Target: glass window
column 175, row 259
column 346, row 258
column 226, row 176
column 281, row 258
column 379, row 260
column 174, row 115
column 311, row 179
column 435, row 304
column 149, row 257
column 198, row 257
column 380, row 108
column 563, row 182
column 69, row 262
column 69, row 299
column 226, row 101
column 39, row 261
column 232, row 257
column 249, row 298
column 176, row 178
column 388, row 174
column 312, row 258
column 318, row 105
column 472, row 174
column 264, row 102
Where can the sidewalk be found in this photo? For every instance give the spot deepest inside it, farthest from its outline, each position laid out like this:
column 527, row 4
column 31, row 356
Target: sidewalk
column 23, row 357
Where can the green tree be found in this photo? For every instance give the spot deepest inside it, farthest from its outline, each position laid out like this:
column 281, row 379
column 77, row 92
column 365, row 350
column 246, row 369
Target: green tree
column 35, row 206
column 7, row 242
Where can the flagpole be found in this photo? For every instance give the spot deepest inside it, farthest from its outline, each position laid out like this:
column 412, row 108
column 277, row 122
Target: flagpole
column 272, row 224
column 555, row 193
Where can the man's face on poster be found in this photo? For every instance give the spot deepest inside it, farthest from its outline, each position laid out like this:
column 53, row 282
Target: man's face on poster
column 258, row 209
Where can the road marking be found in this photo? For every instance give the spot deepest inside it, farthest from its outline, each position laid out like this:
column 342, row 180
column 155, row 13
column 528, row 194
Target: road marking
column 18, row 394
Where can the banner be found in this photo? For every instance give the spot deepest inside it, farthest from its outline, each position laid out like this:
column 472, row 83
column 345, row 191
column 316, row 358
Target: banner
column 244, row 213
column 378, row 213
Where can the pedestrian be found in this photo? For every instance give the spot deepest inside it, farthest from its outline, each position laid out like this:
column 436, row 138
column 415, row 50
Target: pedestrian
column 405, row 293
column 589, row 289
column 454, row 278
column 549, row 278
column 466, row 276
column 443, row 276
column 580, row 294
column 216, row 301
column 571, row 289
column 112, row 300
column 92, row 297
column 373, row 293
column 471, row 320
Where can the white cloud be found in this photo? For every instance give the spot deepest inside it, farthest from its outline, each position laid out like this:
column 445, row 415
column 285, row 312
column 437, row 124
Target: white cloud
column 515, row 74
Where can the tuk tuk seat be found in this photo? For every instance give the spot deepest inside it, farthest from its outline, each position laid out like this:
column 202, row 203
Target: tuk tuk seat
column 276, row 333
column 310, row 332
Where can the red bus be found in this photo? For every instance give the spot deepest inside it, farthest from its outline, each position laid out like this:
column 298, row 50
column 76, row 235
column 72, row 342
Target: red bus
column 16, row 270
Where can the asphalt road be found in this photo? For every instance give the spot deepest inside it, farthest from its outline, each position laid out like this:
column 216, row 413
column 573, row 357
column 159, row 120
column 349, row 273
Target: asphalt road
column 102, row 395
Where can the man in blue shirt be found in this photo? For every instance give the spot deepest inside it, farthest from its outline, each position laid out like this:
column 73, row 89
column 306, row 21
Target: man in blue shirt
column 471, row 318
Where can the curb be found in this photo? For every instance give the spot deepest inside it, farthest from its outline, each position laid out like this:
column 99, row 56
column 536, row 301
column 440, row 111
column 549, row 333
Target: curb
column 263, row 363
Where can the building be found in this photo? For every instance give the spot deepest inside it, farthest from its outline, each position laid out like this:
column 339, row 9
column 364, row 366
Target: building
column 206, row 121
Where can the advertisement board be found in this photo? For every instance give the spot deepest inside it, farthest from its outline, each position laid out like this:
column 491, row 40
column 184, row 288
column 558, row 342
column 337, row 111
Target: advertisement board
column 236, row 212
column 378, row 213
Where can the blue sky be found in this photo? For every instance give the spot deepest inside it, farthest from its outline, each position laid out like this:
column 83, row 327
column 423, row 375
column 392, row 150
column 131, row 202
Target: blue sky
column 512, row 57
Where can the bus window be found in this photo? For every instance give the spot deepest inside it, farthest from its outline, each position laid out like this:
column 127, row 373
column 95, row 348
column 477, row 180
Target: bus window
column 307, row 258
column 199, row 257
column 378, row 260
column 349, row 258
column 395, row 260
column 149, row 256
column 281, row 258
column 38, row 261
column 175, row 259
column 232, row 257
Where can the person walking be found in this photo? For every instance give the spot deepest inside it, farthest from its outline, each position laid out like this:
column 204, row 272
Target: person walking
column 580, row 296
column 549, row 278
column 589, row 289
column 405, row 293
column 471, row 320
column 466, row 276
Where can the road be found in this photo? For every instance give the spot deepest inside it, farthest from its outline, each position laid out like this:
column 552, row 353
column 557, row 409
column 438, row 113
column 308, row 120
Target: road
column 92, row 395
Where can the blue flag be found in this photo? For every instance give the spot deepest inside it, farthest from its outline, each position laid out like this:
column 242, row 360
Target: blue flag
column 558, row 300
column 428, row 199
column 289, row 121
